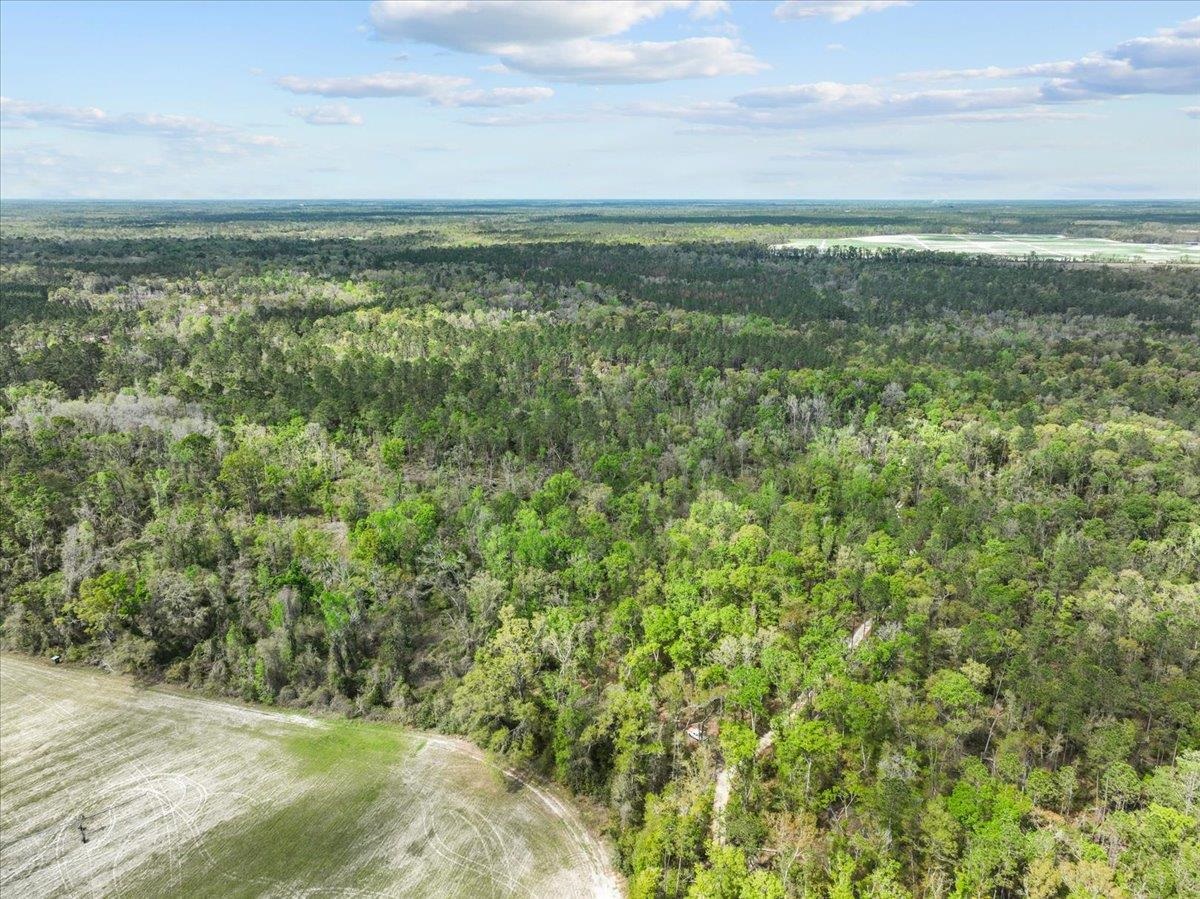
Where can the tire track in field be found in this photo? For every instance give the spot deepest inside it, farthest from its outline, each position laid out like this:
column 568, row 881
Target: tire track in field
column 159, row 776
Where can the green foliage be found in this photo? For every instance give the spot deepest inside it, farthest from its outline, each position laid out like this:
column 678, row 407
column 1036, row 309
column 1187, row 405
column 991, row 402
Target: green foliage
column 392, row 450
column 396, row 536
column 107, row 601
column 499, row 701
column 908, row 542
column 737, row 743
column 727, row 877
column 335, row 609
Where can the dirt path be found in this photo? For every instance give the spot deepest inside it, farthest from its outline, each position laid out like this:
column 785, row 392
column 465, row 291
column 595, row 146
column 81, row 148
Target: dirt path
column 182, row 795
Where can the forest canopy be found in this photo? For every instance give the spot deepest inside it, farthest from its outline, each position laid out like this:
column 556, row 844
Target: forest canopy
column 835, row 573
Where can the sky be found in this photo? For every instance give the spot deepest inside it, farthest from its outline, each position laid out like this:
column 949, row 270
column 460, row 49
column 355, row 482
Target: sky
column 781, row 99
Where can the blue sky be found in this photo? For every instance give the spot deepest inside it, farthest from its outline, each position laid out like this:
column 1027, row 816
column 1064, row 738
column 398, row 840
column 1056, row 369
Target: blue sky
column 778, row 100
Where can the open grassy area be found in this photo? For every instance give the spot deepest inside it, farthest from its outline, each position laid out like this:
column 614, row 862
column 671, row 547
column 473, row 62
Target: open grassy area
column 180, row 796
column 1051, row 246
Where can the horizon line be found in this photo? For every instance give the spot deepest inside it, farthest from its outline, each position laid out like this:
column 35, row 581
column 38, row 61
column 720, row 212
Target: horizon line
column 495, row 200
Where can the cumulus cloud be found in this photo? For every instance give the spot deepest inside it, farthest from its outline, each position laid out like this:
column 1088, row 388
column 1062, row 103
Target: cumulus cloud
column 1192, row 112
column 500, row 96
column 832, row 103
column 482, row 26
column 607, row 62
column 381, row 84
column 439, row 90
column 338, row 114
column 24, row 114
column 185, row 129
column 833, row 10
column 708, row 9
column 1041, row 68
column 562, row 40
column 1164, row 63
column 826, row 104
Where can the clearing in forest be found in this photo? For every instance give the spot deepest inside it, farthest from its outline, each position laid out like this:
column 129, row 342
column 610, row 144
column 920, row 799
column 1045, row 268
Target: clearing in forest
column 109, row 789
column 1047, row 246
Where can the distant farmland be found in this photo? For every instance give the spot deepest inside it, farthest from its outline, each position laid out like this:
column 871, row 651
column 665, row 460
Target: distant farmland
column 109, row 789
column 1049, row 246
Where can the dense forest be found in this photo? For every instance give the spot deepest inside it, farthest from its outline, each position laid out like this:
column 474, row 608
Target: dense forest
column 818, row 573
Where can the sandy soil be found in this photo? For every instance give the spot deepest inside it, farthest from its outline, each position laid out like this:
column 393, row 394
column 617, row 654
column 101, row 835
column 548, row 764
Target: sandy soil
column 1049, row 246
column 180, row 795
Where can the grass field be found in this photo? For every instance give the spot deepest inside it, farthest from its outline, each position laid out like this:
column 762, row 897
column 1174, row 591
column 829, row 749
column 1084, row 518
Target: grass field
column 1050, row 246
column 182, row 796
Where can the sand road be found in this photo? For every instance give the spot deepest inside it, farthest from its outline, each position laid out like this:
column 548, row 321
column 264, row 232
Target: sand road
column 183, row 796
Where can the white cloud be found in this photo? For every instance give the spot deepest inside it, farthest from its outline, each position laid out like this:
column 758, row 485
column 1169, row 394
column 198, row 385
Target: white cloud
column 24, row 114
column 48, row 171
column 828, row 101
column 526, row 120
column 561, row 40
column 708, row 9
column 1165, row 63
column 1033, row 114
column 339, row 114
column 381, row 84
column 800, row 106
column 261, row 140
column 1192, row 112
column 480, row 26
column 834, row 10
column 182, row 129
column 842, row 152
column 835, row 48
column 1041, row 68
column 500, row 96
column 439, row 90
column 609, row 62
